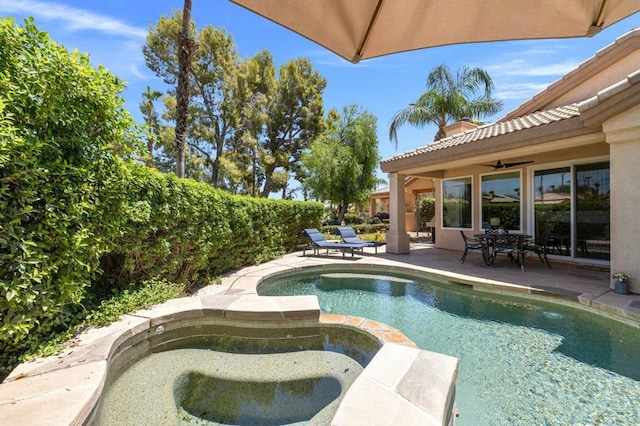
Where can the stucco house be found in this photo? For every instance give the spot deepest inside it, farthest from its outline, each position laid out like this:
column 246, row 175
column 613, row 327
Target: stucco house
column 567, row 160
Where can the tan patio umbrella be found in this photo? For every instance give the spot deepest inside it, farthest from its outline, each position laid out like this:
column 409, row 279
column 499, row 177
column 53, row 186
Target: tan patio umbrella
column 361, row 29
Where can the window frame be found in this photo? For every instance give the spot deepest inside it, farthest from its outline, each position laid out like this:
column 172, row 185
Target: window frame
column 520, row 185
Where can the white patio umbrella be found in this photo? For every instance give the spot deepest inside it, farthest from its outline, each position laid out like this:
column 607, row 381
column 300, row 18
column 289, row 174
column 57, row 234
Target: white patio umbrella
column 361, row 29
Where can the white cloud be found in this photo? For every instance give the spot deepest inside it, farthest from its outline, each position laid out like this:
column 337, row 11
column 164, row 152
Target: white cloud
column 73, row 19
column 520, row 67
column 518, row 91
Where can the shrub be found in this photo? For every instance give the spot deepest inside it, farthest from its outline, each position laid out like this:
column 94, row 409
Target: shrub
column 427, row 211
column 186, row 231
column 71, row 207
column 61, row 124
column 353, row 219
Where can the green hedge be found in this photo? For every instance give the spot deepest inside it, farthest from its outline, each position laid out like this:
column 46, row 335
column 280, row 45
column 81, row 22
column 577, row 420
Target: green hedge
column 61, row 123
column 185, row 231
column 77, row 220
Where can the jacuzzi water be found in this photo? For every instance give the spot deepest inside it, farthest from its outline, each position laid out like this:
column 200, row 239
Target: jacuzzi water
column 522, row 362
column 210, row 374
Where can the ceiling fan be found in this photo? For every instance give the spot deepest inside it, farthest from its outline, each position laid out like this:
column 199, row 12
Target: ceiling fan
column 500, row 165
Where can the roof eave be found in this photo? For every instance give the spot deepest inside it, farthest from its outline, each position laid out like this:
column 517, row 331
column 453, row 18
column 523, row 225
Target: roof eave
column 526, row 138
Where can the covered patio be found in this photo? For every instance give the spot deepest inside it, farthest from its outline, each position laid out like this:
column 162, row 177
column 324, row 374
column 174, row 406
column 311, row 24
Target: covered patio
column 563, row 161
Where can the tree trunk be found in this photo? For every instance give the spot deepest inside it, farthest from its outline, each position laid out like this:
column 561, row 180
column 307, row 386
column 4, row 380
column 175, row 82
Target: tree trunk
column 215, row 172
column 266, row 190
column 342, row 210
column 186, row 47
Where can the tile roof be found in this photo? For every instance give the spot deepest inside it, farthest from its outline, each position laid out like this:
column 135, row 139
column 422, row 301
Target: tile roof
column 486, row 131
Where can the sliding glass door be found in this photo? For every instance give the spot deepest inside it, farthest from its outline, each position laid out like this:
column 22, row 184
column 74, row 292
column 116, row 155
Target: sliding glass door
column 592, row 211
column 552, row 208
column 572, row 202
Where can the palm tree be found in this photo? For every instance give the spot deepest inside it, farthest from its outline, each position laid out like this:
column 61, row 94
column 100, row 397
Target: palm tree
column 186, row 47
column 448, row 99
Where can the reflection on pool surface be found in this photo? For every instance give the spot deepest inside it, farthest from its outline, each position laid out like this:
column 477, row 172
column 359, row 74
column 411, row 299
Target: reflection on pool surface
column 521, row 361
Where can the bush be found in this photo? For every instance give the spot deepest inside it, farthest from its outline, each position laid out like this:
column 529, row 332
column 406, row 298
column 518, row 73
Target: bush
column 61, row 124
column 186, row 231
column 426, row 212
column 353, row 219
column 71, row 207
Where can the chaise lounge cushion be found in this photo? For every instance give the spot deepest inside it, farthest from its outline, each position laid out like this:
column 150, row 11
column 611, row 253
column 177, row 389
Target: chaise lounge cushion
column 348, row 235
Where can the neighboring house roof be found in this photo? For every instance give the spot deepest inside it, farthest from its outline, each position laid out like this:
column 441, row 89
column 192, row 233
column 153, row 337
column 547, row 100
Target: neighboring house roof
column 499, row 199
column 381, row 191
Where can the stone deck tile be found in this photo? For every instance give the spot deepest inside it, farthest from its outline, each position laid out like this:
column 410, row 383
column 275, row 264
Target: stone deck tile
column 174, row 309
column 92, row 345
column 60, row 397
column 254, row 307
column 388, row 393
column 427, row 384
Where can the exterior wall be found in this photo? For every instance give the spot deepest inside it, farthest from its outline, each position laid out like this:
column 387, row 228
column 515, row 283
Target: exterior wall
column 623, row 135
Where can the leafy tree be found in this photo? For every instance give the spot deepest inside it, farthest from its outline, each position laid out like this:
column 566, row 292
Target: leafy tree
column 448, row 98
column 215, row 108
column 147, row 108
column 294, row 119
column 256, row 87
column 341, row 163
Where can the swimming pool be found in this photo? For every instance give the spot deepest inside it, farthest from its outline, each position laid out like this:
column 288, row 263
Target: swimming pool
column 521, row 361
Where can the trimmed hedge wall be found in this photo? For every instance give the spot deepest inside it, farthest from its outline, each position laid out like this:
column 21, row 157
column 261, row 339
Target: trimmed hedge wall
column 186, row 231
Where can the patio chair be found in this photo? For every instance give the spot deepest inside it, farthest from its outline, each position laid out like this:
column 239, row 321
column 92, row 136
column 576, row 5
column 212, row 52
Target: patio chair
column 348, row 235
column 319, row 243
column 473, row 244
column 512, row 245
column 540, row 247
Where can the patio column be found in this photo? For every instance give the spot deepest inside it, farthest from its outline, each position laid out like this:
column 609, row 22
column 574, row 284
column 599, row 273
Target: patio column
column 397, row 237
column 623, row 136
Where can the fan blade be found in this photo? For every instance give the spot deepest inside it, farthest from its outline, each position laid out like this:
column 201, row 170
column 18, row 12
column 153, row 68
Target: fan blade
column 517, row 164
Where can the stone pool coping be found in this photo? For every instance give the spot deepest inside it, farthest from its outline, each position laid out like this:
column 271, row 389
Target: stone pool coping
column 64, row 389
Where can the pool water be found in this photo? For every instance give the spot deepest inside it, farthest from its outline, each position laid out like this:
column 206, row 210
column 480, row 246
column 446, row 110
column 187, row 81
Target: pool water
column 214, row 374
column 522, row 362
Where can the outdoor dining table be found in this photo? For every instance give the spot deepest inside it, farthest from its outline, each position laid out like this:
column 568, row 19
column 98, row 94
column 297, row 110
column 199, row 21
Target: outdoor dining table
column 514, row 239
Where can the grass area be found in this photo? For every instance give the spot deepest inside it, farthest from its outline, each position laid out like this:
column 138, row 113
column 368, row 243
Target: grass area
column 96, row 314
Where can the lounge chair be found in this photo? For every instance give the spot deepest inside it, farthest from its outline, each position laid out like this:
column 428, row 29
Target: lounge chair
column 349, row 236
column 319, row 243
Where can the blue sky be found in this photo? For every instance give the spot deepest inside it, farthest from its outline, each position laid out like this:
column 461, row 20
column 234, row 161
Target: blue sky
column 113, row 33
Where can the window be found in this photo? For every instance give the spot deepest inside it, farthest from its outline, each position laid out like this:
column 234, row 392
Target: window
column 501, row 200
column 456, row 203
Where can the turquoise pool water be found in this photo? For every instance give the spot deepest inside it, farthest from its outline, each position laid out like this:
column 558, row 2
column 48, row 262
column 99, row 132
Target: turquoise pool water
column 522, row 362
